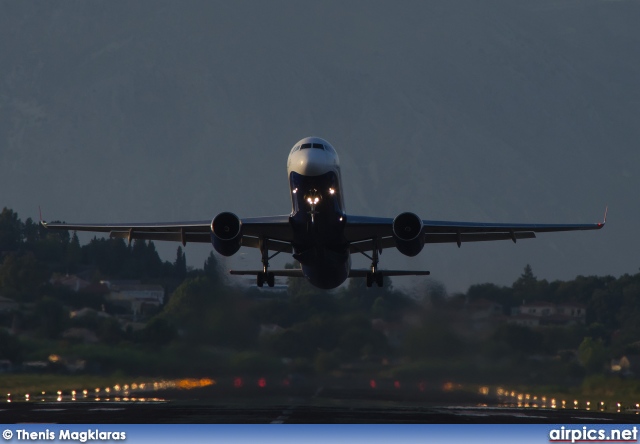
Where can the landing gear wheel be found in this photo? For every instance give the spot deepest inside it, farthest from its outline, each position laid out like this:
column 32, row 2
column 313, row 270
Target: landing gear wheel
column 260, row 279
column 379, row 279
column 271, row 279
column 369, row 279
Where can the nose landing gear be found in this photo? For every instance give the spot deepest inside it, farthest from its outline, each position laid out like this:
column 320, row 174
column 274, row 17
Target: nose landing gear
column 374, row 276
column 313, row 199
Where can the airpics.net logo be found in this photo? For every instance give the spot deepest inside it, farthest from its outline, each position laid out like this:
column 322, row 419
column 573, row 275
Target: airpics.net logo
column 588, row 434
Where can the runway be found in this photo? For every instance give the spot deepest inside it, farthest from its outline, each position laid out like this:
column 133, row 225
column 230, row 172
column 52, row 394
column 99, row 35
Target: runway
column 303, row 405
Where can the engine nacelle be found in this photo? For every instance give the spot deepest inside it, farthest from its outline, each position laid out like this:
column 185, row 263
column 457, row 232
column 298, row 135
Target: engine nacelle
column 407, row 232
column 226, row 233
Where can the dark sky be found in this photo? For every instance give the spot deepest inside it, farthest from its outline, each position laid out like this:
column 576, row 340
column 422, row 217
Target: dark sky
column 493, row 111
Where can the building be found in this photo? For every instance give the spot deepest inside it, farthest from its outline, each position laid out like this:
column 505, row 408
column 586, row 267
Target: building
column 136, row 297
column 72, row 282
column 543, row 313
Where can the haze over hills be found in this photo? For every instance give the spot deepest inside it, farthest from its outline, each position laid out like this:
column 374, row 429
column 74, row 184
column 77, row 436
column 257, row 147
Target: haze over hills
column 497, row 111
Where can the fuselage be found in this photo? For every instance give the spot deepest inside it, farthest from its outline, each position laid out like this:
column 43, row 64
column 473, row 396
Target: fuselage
column 318, row 215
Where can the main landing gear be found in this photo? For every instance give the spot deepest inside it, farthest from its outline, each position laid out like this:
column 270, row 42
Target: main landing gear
column 374, row 275
column 266, row 275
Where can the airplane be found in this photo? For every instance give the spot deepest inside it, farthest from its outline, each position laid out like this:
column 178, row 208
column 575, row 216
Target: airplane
column 318, row 232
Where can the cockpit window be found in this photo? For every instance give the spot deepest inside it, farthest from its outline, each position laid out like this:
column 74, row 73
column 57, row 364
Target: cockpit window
column 312, row 145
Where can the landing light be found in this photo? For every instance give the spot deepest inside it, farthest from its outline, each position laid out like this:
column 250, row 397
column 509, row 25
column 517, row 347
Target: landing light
column 332, row 191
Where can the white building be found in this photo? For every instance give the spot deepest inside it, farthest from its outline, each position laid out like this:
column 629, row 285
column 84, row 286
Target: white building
column 134, row 295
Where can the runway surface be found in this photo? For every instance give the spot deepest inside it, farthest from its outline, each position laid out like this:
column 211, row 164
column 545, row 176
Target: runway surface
column 194, row 412
column 305, row 405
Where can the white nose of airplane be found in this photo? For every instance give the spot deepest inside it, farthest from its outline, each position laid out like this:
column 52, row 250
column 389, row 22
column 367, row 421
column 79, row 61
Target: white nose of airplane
column 311, row 162
column 312, row 157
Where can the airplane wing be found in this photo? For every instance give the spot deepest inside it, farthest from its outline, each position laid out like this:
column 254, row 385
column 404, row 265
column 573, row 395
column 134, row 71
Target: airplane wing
column 276, row 228
column 362, row 231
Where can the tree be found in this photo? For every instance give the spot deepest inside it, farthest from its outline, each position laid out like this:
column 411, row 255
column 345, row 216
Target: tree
column 21, row 275
column 211, row 268
column 110, row 331
column 52, row 317
column 519, row 338
column 592, row 355
column 10, row 230
column 180, row 264
column 525, row 287
column 74, row 253
column 10, row 347
column 159, row 331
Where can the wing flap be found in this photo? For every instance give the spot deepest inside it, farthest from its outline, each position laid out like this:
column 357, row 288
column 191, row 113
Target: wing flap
column 185, row 237
column 476, row 237
column 166, row 227
column 271, row 227
column 274, row 245
column 388, row 242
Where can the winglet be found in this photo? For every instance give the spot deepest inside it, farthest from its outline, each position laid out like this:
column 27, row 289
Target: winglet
column 43, row 223
column 604, row 220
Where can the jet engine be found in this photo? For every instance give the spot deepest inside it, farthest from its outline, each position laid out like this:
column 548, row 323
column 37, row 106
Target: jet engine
column 226, row 233
column 407, row 232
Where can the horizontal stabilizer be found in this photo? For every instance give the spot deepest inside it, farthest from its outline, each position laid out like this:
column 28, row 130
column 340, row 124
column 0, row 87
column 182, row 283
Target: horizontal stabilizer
column 363, row 273
column 287, row 272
